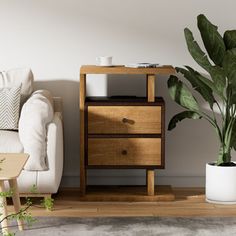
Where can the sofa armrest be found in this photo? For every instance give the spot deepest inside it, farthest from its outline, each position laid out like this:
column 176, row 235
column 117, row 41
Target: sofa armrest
column 48, row 181
column 36, row 113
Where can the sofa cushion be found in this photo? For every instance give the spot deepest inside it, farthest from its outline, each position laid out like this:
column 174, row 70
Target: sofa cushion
column 14, row 77
column 9, row 108
column 10, row 142
column 36, row 113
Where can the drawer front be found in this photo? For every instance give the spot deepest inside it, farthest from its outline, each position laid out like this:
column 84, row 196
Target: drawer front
column 124, row 151
column 124, row 119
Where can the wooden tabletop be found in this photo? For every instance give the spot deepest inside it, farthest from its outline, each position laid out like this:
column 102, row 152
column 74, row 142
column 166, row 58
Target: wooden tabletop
column 11, row 165
column 120, row 69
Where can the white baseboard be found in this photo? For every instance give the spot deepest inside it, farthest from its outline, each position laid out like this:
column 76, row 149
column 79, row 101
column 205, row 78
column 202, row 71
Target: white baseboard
column 174, row 181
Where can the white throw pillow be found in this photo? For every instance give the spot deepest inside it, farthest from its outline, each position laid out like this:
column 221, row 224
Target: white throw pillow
column 9, row 108
column 16, row 77
column 36, row 113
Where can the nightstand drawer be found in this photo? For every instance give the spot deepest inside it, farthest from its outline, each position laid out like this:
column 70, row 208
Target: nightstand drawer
column 124, row 119
column 124, row 151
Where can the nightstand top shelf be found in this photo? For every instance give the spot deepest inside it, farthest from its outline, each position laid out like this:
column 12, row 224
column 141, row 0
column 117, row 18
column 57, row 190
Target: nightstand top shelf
column 120, row 69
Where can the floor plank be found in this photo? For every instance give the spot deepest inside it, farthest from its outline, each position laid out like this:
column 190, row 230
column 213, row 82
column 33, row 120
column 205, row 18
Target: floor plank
column 189, row 202
column 127, row 194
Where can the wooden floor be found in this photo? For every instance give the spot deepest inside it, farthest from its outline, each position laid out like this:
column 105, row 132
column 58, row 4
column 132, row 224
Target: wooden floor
column 188, row 202
column 127, row 194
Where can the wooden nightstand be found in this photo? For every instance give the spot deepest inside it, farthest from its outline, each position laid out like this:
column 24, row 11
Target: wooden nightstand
column 123, row 133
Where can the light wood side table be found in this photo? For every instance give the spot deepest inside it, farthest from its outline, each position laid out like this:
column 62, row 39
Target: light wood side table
column 11, row 165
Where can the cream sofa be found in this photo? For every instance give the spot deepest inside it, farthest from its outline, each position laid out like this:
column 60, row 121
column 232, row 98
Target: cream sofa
column 46, row 181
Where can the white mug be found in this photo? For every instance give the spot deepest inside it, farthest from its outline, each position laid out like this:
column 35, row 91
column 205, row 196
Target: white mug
column 104, row 61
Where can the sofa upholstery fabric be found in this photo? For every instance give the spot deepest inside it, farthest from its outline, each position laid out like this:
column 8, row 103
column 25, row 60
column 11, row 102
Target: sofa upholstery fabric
column 49, row 180
column 10, row 142
column 36, row 114
column 45, row 175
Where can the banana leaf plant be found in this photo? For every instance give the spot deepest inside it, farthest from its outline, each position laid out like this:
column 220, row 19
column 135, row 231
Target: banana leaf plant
column 218, row 88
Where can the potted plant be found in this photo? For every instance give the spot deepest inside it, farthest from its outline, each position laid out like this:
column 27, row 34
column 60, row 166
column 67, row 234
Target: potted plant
column 218, row 89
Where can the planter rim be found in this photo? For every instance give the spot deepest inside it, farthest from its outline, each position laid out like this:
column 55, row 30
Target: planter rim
column 215, row 166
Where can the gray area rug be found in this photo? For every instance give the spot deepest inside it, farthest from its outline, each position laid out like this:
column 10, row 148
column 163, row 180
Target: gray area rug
column 138, row 226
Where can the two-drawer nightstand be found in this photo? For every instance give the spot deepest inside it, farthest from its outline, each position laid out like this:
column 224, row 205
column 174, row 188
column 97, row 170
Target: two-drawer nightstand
column 123, row 133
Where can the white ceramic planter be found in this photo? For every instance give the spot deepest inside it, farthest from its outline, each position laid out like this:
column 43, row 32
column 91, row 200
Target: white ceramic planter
column 221, row 184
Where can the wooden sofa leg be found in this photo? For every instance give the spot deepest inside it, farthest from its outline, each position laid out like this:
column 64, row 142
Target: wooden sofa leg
column 46, row 196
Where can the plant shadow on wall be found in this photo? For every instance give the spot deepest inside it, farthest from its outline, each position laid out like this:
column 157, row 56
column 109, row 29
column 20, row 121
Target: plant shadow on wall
column 69, row 91
column 220, row 93
column 176, row 156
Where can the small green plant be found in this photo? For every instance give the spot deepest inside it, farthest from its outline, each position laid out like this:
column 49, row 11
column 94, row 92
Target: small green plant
column 8, row 193
column 219, row 91
column 9, row 234
column 33, row 189
column 24, row 214
column 48, row 203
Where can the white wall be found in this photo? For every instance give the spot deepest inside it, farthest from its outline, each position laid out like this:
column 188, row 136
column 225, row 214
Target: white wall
column 55, row 37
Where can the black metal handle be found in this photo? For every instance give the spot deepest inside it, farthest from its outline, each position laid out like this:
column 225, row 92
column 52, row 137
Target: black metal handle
column 125, row 120
column 124, row 152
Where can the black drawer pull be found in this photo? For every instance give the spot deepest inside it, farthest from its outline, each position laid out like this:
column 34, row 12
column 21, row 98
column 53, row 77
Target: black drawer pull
column 128, row 121
column 124, row 152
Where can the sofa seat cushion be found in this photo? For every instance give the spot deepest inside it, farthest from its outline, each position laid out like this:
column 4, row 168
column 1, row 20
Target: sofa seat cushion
column 10, row 142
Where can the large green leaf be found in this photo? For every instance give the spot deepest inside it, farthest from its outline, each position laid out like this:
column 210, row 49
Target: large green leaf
column 233, row 51
column 212, row 40
column 196, row 52
column 230, row 39
column 181, row 94
column 229, row 65
column 218, row 77
column 200, row 57
column 192, row 76
column 182, row 115
column 209, row 84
